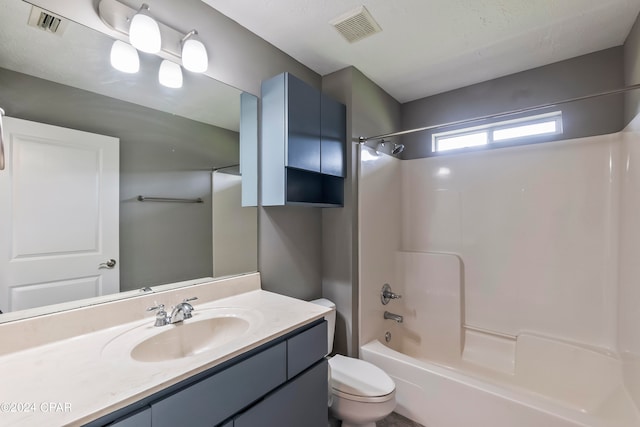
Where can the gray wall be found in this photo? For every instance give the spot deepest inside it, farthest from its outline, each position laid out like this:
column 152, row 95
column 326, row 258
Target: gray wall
column 370, row 111
column 290, row 251
column 160, row 155
column 290, row 245
column 339, row 230
column 596, row 72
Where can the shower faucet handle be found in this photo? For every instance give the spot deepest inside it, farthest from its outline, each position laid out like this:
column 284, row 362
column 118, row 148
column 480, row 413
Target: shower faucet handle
column 387, row 294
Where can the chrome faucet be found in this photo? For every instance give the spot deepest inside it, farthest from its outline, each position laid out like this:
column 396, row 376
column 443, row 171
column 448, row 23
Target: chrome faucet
column 179, row 312
column 392, row 316
column 182, row 311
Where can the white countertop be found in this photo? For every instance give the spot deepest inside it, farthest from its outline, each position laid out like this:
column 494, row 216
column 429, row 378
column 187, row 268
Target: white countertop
column 72, row 381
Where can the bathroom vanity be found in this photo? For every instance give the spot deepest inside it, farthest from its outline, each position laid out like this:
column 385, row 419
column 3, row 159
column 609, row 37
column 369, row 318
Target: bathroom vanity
column 283, row 383
column 247, row 358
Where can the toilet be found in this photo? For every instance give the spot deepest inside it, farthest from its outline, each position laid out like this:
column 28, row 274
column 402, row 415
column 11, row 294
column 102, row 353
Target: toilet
column 361, row 393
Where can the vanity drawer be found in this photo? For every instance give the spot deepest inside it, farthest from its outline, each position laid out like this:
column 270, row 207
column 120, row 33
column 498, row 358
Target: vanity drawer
column 214, row 399
column 301, row 402
column 139, row 419
column 306, row 348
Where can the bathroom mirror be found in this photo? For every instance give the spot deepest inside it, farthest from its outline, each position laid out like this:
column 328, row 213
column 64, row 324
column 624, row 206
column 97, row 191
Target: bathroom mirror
column 173, row 143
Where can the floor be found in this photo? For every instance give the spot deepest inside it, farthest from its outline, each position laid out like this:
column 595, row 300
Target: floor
column 393, row 420
column 397, row 420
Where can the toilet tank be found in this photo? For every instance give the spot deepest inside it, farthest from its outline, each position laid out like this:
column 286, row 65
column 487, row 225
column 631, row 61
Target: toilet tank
column 331, row 320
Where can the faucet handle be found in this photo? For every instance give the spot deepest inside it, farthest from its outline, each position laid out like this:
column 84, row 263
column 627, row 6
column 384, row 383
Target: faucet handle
column 387, row 295
column 188, row 308
column 156, row 307
column 161, row 315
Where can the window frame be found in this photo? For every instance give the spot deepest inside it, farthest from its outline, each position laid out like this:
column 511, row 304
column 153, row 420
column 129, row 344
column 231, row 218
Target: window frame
column 490, row 128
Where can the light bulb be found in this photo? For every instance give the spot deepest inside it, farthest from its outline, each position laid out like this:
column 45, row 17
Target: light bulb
column 144, row 32
column 194, row 54
column 170, row 74
column 124, row 57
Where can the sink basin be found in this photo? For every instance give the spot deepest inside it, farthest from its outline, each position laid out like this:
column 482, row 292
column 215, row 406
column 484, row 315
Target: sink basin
column 189, row 338
column 207, row 330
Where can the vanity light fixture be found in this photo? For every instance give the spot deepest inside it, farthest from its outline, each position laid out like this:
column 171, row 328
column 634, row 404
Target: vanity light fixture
column 124, row 57
column 144, row 32
column 170, row 74
column 194, row 54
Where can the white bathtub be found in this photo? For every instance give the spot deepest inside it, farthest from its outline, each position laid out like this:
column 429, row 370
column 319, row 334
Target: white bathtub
column 457, row 395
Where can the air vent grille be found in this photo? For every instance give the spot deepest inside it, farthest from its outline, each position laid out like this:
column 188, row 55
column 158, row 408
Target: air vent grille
column 356, row 24
column 46, row 21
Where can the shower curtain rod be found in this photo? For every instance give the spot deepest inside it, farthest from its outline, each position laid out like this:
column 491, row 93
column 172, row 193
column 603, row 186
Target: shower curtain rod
column 364, row 139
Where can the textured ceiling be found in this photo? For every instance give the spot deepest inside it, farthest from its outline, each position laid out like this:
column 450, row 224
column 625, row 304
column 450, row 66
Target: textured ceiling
column 431, row 46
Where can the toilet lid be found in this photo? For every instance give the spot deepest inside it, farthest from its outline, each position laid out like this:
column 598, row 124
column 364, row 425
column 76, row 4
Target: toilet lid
column 359, row 378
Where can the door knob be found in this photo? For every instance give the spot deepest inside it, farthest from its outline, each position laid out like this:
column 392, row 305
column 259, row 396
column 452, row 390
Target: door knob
column 109, row 264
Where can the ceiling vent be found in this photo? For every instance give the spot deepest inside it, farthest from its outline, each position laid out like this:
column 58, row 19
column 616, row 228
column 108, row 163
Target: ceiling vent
column 356, row 24
column 47, row 21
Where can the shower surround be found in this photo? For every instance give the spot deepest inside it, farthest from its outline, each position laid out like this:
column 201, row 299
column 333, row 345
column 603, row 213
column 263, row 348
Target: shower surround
column 518, row 269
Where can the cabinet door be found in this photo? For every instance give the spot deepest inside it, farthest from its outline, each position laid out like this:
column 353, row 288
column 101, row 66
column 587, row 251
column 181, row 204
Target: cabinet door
column 214, row 399
column 306, row 348
column 333, row 134
column 301, row 402
column 303, row 119
column 140, row 419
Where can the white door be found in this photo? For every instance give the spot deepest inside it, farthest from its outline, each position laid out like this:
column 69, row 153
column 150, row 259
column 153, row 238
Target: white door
column 58, row 215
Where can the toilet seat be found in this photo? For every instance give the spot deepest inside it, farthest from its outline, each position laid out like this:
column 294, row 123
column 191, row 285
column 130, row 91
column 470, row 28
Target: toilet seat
column 360, row 381
column 363, row 399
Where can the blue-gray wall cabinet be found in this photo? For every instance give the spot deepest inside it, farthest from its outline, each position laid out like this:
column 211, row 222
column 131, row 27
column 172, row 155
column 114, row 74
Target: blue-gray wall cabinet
column 303, row 145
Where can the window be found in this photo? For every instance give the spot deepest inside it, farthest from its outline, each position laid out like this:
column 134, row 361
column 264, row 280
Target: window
column 507, row 131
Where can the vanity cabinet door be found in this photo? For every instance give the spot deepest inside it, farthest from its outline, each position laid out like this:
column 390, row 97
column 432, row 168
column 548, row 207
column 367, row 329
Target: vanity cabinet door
column 301, row 402
column 139, row 419
column 306, row 348
column 214, row 399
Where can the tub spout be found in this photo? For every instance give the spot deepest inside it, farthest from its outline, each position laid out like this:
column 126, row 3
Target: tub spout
column 393, row 316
